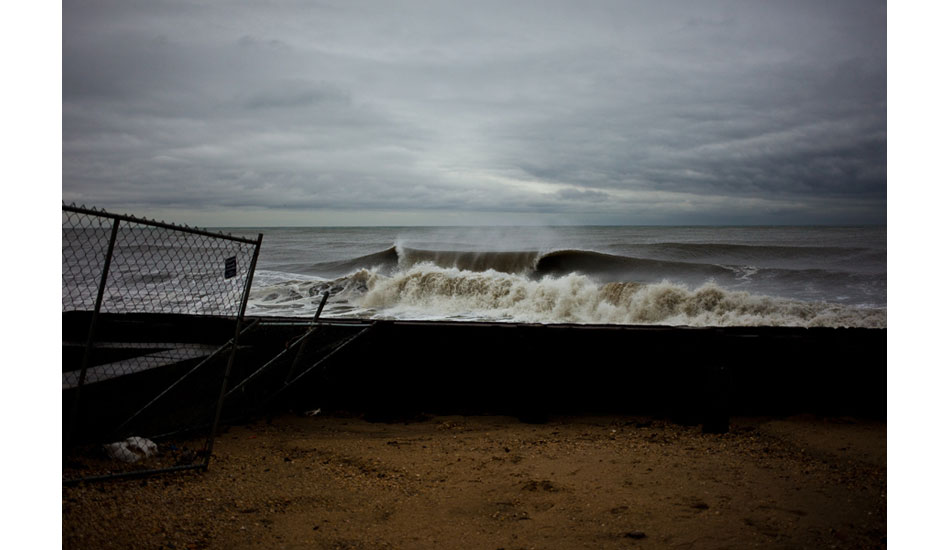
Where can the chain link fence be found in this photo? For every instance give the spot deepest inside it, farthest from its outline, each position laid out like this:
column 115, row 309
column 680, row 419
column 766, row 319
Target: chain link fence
column 152, row 314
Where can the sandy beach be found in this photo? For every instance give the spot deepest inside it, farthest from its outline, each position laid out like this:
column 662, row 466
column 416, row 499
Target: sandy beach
column 342, row 482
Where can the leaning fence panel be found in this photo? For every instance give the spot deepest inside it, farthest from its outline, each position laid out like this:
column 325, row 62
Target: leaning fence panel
column 151, row 316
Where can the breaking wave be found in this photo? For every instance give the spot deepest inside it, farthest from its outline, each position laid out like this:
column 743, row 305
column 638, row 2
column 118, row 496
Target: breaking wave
column 793, row 272
column 544, row 288
column 708, row 261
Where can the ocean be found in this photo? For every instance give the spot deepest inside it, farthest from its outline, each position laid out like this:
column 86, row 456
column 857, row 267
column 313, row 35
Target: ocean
column 681, row 276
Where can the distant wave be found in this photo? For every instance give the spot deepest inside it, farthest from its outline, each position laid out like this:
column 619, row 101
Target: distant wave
column 717, row 251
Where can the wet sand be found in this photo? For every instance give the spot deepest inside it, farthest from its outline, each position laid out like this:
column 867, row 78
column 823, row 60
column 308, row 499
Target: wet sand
column 338, row 482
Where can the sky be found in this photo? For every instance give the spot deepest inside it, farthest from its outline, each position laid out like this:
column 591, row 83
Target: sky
column 467, row 113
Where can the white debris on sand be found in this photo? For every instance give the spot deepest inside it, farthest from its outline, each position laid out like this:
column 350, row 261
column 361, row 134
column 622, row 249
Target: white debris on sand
column 131, row 449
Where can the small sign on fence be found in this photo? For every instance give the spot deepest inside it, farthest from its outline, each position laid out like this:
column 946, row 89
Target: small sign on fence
column 230, row 267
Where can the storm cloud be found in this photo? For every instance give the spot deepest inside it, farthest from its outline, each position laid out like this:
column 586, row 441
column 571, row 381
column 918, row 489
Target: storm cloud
column 474, row 112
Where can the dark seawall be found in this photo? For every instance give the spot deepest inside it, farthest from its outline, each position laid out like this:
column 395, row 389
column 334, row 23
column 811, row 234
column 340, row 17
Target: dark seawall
column 400, row 368
column 559, row 369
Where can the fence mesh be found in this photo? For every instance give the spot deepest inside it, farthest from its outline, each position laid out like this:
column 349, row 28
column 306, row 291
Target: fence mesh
column 135, row 360
column 154, row 269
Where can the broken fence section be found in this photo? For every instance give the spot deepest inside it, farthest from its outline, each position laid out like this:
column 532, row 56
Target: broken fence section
column 125, row 378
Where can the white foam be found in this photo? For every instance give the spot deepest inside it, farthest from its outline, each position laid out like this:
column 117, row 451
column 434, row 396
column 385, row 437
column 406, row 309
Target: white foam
column 425, row 291
column 429, row 291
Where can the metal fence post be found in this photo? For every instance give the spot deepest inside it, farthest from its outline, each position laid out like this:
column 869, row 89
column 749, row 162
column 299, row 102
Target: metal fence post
column 90, row 338
column 234, row 347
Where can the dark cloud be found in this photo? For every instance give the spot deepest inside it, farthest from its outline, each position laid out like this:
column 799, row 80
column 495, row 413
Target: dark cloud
column 615, row 112
column 298, row 94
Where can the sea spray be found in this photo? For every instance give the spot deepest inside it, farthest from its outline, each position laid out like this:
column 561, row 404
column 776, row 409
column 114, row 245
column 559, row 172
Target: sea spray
column 501, row 261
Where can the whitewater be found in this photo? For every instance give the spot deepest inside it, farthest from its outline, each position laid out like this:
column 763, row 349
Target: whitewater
column 685, row 276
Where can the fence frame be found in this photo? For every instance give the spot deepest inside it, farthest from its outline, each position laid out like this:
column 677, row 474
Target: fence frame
column 239, row 328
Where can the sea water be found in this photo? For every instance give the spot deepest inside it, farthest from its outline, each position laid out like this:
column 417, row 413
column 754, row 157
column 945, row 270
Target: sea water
column 695, row 276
